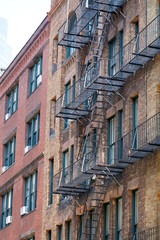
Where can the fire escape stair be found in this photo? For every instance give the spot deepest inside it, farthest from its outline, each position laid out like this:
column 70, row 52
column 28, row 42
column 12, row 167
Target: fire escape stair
column 93, row 208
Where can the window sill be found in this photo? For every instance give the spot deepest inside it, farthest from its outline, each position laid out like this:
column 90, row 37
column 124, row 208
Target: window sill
column 72, row 57
column 1, row 229
column 49, row 206
column 28, row 213
column 31, row 148
column 66, row 199
column 30, row 94
column 8, row 168
column 10, row 116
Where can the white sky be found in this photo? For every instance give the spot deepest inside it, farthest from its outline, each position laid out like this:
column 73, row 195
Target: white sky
column 23, row 18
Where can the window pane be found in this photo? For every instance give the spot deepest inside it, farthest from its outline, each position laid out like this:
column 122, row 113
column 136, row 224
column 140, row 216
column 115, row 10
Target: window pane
column 120, row 214
column 38, row 68
column 9, row 110
column 9, row 152
column 6, row 163
column 136, row 207
column 6, row 207
column 107, row 219
column 65, row 166
column 30, row 192
column 111, row 140
column 60, row 232
column 33, row 131
column 67, row 93
column 14, row 99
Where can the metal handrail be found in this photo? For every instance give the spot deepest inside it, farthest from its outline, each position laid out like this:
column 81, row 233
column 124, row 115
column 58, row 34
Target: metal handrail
column 148, row 35
column 147, row 131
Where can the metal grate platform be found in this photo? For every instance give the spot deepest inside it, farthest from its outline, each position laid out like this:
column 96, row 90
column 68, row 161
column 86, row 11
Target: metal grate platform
column 76, row 36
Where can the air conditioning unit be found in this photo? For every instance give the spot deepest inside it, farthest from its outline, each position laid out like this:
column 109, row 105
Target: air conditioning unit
column 8, row 219
column 7, row 116
column 23, row 210
column 39, row 80
column 27, row 148
column 4, row 168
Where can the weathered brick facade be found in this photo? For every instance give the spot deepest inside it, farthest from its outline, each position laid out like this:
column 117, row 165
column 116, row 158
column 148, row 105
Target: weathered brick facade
column 144, row 83
column 18, row 72
column 58, row 136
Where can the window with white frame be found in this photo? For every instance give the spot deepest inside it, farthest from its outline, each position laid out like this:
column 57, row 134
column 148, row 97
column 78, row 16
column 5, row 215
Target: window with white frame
column 31, row 192
column 12, row 101
column 36, row 75
column 9, row 152
column 6, row 211
column 33, row 130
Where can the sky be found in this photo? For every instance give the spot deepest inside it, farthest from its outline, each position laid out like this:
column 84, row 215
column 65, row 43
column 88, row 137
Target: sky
column 23, row 18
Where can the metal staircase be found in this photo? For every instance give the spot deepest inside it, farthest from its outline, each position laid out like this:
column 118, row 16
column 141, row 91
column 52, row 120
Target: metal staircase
column 100, row 26
column 93, row 208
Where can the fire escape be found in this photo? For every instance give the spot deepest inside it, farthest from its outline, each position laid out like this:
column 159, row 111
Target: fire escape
column 94, row 92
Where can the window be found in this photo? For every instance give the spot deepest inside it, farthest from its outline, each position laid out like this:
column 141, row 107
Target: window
column 94, row 140
column 54, row 55
column 6, row 207
column 81, row 219
column 33, row 130
column 120, row 134
column 12, row 101
column 49, row 235
column 67, row 93
column 51, row 181
column 72, row 22
column 69, row 230
column 69, row 52
column 92, row 24
column 60, row 232
column 111, row 141
column 91, row 229
column 135, row 214
column 87, row 149
column 9, row 149
column 74, row 88
column 66, row 123
column 67, row 101
column 88, row 75
column 106, row 221
column 119, row 219
column 31, row 238
column 137, row 36
column 52, row 116
column 31, row 191
column 72, row 160
column 36, row 75
column 65, row 166
column 121, row 49
column 112, row 58
column 135, row 123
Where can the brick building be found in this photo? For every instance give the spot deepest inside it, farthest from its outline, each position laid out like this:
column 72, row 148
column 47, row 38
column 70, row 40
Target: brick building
column 102, row 158
column 23, row 89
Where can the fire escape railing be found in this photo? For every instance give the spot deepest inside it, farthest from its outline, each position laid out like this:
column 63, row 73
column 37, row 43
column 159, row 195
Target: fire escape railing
column 127, row 61
column 76, row 36
column 136, row 144
column 147, row 234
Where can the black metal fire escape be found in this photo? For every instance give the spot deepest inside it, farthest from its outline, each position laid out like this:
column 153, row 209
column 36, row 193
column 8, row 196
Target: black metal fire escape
column 94, row 92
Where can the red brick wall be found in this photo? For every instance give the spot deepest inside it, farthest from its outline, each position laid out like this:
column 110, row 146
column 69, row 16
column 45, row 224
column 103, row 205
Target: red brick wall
column 24, row 164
